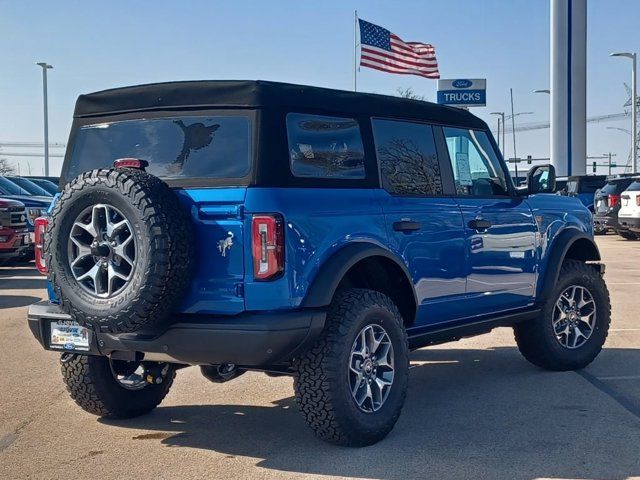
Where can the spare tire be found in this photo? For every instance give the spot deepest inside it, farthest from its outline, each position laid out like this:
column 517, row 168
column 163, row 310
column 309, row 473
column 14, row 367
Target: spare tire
column 119, row 250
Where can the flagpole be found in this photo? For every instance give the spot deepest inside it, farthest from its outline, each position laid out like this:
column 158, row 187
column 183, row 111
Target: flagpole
column 355, row 51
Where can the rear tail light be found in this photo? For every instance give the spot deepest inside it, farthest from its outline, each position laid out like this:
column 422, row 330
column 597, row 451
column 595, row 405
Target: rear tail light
column 638, row 200
column 267, row 242
column 614, row 200
column 40, row 227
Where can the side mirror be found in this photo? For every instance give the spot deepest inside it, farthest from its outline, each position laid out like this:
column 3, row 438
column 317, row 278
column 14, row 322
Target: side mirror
column 541, row 179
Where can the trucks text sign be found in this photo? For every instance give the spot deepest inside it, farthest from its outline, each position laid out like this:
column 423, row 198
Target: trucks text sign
column 463, row 92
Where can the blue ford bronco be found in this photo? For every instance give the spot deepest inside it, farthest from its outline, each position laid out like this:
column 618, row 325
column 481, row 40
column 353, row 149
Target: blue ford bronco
column 295, row 230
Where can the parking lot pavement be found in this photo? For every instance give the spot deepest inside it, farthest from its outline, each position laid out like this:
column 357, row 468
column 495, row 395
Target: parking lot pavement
column 475, row 409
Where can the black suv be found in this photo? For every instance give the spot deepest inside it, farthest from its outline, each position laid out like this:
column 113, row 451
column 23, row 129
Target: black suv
column 606, row 205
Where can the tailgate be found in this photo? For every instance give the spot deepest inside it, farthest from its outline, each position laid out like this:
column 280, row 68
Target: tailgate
column 217, row 285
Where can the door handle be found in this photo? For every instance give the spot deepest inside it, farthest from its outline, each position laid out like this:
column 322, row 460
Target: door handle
column 406, row 226
column 479, row 224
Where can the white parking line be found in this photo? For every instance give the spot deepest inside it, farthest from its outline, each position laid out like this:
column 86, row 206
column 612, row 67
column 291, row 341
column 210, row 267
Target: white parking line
column 624, row 330
column 623, row 283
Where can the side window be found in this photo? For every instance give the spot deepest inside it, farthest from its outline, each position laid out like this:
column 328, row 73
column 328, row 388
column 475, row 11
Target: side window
column 325, row 147
column 407, row 156
column 477, row 171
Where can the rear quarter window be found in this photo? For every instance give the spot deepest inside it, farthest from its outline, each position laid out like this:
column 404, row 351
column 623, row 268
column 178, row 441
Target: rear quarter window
column 325, row 147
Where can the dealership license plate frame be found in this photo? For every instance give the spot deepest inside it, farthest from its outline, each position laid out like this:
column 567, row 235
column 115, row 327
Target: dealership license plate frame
column 69, row 336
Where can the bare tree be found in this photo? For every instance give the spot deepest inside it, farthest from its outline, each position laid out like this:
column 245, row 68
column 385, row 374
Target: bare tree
column 6, row 168
column 409, row 93
column 409, row 168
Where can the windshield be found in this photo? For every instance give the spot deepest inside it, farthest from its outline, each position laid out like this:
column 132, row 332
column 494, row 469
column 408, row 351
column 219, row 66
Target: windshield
column 50, row 187
column 175, row 147
column 7, row 187
column 29, row 186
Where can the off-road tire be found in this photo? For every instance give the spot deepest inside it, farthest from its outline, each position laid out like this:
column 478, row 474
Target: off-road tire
column 536, row 339
column 627, row 235
column 164, row 250
column 92, row 386
column 321, row 381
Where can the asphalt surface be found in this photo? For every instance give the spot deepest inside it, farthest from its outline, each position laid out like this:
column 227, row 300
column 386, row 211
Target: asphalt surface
column 475, row 409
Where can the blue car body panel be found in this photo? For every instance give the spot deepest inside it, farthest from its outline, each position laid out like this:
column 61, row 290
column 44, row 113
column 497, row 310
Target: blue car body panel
column 458, row 273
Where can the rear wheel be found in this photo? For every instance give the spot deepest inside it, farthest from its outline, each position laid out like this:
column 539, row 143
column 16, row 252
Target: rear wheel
column 351, row 385
column 119, row 250
column 116, row 389
column 573, row 324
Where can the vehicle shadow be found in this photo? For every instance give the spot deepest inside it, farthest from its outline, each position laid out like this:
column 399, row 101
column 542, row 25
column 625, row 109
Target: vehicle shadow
column 469, row 414
column 22, row 284
column 14, row 301
column 22, row 271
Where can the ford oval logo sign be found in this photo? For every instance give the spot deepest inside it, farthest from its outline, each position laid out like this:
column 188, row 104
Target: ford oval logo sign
column 69, row 346
column 462, row 83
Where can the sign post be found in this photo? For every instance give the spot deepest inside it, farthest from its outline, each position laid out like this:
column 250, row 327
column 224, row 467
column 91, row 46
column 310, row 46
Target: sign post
column 463, row 92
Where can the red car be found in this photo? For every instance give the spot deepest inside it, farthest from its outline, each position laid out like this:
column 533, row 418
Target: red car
column 14, row 236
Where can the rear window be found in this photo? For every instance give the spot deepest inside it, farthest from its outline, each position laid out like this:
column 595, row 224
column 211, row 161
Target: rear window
column 175, row 147
column 635, row 186
column 615, row 187
column 590, row 185
column 325, row 147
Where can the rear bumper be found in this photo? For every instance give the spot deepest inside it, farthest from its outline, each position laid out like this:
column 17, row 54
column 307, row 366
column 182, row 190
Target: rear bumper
column 629, row 223
column 251, row 340
column 605, row 222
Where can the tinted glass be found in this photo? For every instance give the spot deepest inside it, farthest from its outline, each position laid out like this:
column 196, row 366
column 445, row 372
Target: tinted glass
column 407, row 157
column 590, row 185
column 635, row 186
column 615, row 187
column 29, row 186
column 50, row 187
column 175, row 147
column 7, row 187
column 325, row 147
column 477, row 170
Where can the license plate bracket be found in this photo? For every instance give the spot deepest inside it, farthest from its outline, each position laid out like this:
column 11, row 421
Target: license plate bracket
column 69, row 336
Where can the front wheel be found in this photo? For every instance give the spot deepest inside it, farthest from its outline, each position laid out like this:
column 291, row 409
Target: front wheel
column 113, row 388
column 573, row 324
column 351, row 385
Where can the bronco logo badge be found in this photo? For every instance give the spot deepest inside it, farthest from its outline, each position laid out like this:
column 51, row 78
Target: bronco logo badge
column 226, row 244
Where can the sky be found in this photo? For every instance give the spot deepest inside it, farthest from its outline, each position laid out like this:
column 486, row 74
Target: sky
column 97, row 45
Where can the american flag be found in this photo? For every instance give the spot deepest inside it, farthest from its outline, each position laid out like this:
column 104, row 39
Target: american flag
column 382, row 50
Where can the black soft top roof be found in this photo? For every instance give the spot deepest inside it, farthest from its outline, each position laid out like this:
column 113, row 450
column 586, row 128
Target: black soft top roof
column 256, row 94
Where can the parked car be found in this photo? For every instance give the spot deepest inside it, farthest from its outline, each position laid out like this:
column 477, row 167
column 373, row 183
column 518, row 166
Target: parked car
column 629, row 213
column 47, row 185
column 14, row 236
column 29, row 186
column 584, row 188
column 300, row 231
column 607, row 205
column 35, row 205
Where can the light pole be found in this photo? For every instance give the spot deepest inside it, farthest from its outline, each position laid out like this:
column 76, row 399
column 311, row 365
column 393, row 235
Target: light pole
column 632, row 56
column 503, row 128
column 45, row 66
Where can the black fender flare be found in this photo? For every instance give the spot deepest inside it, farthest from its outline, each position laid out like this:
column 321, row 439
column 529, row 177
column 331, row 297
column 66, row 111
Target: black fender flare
column 558, row 251
column 324, row 285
